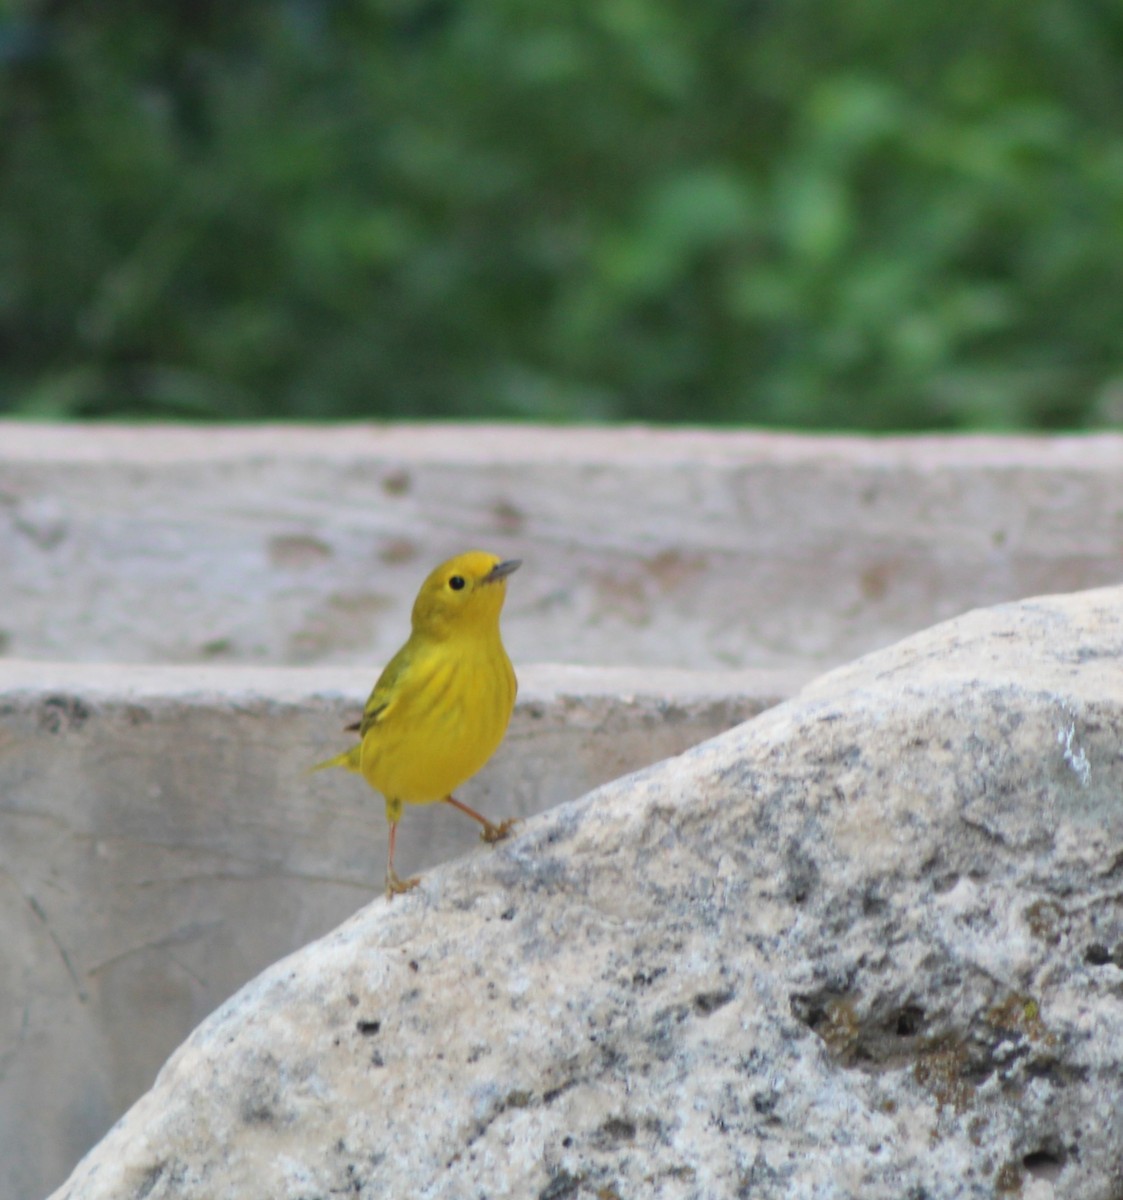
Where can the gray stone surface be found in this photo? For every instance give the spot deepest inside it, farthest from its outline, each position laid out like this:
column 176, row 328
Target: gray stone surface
column 868, row 944
column 160, row 844
column 699, row 550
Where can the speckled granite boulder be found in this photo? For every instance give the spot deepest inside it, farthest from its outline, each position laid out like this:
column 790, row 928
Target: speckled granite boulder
column 868, row 944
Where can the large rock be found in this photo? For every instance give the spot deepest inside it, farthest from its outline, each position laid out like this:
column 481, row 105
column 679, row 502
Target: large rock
column 869, row 943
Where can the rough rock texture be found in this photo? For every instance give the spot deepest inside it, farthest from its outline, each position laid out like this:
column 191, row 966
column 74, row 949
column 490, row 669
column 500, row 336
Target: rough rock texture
column 643, row 547
column 868, row 944
column 161, row 843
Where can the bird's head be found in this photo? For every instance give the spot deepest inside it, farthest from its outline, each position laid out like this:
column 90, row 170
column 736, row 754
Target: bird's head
column 464, row 594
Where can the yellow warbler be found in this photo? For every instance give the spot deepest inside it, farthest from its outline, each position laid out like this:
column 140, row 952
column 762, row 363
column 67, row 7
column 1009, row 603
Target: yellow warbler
column 440, row 708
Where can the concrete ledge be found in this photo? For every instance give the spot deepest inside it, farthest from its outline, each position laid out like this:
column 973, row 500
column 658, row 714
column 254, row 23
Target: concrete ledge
column 648, row 548
column 160, row 844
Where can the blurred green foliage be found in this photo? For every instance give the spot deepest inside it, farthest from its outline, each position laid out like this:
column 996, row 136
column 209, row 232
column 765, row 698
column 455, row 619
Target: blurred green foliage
column 811, row 213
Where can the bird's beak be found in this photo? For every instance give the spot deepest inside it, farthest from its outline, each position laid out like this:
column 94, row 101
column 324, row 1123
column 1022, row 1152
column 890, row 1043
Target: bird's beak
column 502, row 570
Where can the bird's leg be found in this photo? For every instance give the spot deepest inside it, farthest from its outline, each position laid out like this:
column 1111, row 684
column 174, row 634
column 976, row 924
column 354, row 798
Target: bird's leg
column 395, row 886
column 491, row 833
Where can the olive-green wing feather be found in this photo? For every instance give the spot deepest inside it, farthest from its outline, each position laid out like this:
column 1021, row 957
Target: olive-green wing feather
column 380, row 703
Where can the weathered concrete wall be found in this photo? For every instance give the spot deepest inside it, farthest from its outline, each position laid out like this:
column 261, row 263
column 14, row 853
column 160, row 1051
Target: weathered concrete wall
column 673, row 548
column 161, row 843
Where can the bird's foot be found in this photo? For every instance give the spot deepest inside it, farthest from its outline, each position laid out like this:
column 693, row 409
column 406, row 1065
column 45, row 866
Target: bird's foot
column 496, row 833
column 396, row 886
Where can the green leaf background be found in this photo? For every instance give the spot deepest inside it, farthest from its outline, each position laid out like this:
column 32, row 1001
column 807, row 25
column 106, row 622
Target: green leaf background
column 858, row 214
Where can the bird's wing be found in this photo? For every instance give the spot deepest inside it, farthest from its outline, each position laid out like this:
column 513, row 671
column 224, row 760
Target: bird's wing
column 381, row 700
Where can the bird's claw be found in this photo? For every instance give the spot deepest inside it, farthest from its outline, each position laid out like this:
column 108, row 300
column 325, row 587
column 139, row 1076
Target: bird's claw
column 396, row 886
column 496, row 833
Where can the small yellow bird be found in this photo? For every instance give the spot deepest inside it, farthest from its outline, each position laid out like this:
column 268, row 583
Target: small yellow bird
column 441, row 707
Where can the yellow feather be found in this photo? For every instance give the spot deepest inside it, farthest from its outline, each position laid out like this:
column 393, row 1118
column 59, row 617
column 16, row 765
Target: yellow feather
column 349, row 759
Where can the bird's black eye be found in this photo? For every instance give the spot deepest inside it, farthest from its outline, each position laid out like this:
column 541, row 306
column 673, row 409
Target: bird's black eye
column 456, row 582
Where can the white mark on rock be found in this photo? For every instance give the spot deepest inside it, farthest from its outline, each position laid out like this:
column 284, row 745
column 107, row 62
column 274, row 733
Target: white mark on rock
column 1073, row 754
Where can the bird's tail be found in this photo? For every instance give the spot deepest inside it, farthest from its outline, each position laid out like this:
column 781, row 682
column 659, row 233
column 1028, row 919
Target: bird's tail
column 348, row 759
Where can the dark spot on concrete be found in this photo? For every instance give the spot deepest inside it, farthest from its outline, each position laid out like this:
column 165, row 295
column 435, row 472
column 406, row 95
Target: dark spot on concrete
column 354, row 1181
column 508, row 914
column 1097, row 955
column 509, row 518
column 359, row 607
column 647, row 978
column 617, row 1129
column 517, row 1099
column 297, row 551
column 802, row 876
column 256, row 1111
column 874, row 581
column 662, row 1038
column 1046, row 1163
column 706, row 1003
column 764, row 1103
column 671, row 568
column 550, row 1096
column 396, row 483
column 611, row 1056
column 845, row 756
column 150, row 1180
column 352, row 999
column 413, row 965
column 60, row 713
column 398, row 550
column 909, row 1022
column 872, row 904
column 376, row 1059
column 368, row 1028
column 562, row 1184
column 673, row 714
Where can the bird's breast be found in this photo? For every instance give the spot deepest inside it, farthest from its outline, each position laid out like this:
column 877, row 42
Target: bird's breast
column 447, row 721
